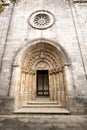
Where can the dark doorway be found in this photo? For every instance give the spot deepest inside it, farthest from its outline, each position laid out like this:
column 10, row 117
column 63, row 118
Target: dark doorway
column 42, row 83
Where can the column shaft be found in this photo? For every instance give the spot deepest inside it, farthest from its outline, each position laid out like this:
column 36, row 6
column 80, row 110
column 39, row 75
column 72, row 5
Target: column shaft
column 23, row 87
column 62, row 89
column 30, row 87
column 57, row 84
column 26, row 86
column 59, row 93
column 34, row 87
column 54, row 86
column 50, row 86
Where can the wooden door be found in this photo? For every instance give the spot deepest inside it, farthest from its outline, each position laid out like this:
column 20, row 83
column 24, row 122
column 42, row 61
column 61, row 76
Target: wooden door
column 42, row 83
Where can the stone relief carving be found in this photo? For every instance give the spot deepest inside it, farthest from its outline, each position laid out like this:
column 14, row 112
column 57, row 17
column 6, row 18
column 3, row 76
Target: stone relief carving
column 41, row 59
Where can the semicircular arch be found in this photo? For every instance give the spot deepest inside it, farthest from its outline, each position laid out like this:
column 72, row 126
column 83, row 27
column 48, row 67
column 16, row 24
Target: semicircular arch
column 30, row 46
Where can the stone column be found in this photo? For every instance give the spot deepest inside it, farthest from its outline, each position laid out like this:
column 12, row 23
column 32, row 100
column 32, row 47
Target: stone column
column 50, row 86
column 57, row 84
column 22, row 89
column 33, row 86
column 60, row 85
column 54, row 86
column 62, row 89
column 30, row 86
column 26, row 86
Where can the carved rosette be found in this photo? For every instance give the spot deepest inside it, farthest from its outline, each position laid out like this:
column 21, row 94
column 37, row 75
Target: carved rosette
column 41, row 19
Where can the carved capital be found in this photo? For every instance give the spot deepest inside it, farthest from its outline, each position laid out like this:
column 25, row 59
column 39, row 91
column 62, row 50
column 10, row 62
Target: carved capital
column 31, row 72
column 60, row 69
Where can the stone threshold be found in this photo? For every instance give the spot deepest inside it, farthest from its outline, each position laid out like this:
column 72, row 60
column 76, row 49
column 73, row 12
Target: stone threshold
column 42, row 111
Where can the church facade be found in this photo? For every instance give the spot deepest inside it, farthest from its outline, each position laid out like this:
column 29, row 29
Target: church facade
column 43, row 57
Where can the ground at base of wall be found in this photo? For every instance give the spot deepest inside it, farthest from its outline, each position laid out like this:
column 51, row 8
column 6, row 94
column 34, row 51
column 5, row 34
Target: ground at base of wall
column 43, row 122
column 76, row 106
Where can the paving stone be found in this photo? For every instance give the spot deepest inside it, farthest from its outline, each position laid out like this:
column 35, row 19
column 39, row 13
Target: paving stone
column 59, row 125
column 43, row 123
column 25, row 120
column 1, row 124
column 84, row 124
column 73, row 124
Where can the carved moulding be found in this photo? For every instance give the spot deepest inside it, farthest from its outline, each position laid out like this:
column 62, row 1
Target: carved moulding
column 41, row 60
column 79, row 1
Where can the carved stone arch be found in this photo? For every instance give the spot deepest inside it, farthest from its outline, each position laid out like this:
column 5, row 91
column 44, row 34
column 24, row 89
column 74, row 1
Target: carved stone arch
column 41, row 54
column 22, row 51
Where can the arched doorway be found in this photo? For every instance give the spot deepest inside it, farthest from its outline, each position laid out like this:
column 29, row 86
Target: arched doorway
column 40, row 74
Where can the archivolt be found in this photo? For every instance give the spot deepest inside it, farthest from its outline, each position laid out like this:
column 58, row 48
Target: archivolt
column 31, row 46
column 42, row 53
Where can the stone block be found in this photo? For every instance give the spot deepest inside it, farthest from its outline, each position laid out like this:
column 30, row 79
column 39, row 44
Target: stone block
column 6, row 105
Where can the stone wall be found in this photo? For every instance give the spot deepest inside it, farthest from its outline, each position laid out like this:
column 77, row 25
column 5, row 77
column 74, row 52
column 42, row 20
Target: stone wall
column 6, row 105
column 69, row 30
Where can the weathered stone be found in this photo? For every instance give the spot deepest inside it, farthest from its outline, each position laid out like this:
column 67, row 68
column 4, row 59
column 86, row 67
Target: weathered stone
column 59, row 47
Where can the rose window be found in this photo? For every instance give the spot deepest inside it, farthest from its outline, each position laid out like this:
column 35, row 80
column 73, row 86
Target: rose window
column 41, row 19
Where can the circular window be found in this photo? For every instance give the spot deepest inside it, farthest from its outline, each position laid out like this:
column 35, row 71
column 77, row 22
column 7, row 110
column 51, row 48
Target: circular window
column 41, row 19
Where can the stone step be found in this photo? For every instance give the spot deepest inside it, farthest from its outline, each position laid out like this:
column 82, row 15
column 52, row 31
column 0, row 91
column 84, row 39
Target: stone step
column 41, row 106
column 41, row 103
column 42, row 111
